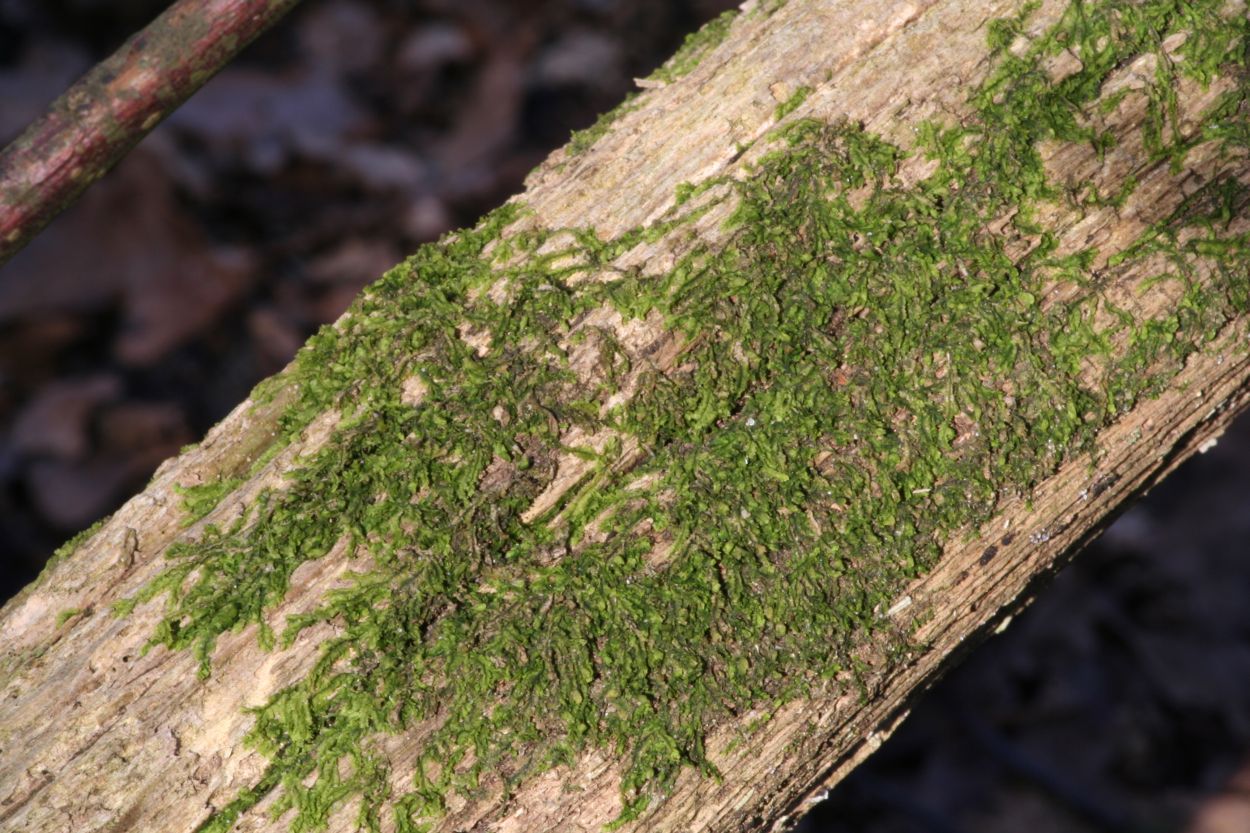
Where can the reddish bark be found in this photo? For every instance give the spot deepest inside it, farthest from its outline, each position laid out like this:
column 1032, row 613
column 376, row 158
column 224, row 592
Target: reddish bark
column 93, row 125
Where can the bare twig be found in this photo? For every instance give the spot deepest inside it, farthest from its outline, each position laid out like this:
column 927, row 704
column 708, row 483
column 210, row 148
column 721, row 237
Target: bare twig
column 93, row 125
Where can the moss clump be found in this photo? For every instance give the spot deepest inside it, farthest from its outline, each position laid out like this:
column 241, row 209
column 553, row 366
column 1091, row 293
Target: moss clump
column 868, row 371
column 199, row 500
column 792, row 103
column 695, row 47
column 67, row 614
column 582, row 140
column 67, row 549
column 687, row 57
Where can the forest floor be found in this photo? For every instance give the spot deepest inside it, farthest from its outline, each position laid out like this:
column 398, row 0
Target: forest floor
column 358, row 129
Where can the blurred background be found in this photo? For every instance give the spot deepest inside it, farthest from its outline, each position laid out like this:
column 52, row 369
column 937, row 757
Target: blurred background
column 358, row 129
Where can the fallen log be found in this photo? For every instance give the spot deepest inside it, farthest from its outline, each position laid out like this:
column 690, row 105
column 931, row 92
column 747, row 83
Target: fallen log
column 648, row 503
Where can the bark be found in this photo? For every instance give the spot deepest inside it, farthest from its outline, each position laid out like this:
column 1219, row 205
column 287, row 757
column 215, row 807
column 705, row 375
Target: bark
column 96, row 735
column 98, row 120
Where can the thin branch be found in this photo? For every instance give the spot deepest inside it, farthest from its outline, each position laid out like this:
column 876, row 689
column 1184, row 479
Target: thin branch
column 98, row 120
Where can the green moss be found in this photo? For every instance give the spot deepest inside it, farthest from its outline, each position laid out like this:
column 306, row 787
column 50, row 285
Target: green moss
column 68, row 548
column 893, row 330
column 67, row 614
column 199, row 500
column 692, row 51
column 792, row 103
column 582, row 140
column 695, row 47
column 768, row 7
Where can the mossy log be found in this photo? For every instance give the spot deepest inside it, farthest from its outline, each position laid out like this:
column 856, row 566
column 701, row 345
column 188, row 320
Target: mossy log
column 650, row 502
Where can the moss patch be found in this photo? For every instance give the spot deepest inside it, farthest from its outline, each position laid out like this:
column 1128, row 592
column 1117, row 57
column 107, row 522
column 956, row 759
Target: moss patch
column 67, row 549
column 792, row 103
column 695, row 47
column 692, row 51
column 582, row 140
column 198, row 501
column 868, row 372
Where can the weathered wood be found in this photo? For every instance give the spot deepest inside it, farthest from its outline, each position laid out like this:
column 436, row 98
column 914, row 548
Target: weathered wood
column 105, row 114
column 96, row 735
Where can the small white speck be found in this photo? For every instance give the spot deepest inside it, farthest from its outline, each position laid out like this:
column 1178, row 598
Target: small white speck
column 899, row 606
column 921, row 491
column 1002, row 626
column 750, row 422
column 743, row 513
column 1208, row 444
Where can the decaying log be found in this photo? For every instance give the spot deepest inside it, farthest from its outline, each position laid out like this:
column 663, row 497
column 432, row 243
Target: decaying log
column 655, row 498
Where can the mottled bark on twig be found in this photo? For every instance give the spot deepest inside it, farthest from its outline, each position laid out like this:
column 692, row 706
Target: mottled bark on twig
column 105, row 113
